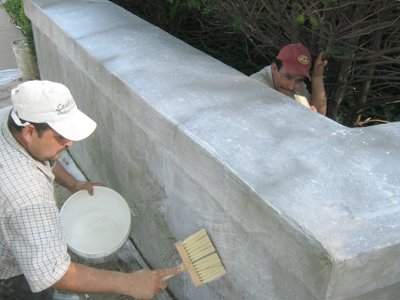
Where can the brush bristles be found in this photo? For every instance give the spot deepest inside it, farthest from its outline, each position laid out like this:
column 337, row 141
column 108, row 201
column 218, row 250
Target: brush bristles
column 203, row 256
column 194, row 237
column 209, row 268
column 198, row 246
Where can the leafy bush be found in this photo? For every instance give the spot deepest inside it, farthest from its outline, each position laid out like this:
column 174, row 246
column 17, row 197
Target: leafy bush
column 361, row 38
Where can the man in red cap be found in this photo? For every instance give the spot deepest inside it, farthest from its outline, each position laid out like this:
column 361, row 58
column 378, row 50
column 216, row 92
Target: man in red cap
column 288, row 72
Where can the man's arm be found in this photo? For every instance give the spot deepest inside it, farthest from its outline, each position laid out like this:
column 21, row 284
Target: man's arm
column 68, row 181
column 318, row 95
column 144, row 284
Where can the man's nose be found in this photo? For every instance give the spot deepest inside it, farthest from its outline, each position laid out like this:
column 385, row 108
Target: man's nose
column 292, row 84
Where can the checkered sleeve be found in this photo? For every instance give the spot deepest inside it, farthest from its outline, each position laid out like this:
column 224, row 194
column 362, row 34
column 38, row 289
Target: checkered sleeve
column 35, row 238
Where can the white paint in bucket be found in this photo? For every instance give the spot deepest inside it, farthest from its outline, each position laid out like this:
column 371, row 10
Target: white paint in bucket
column 96, row 226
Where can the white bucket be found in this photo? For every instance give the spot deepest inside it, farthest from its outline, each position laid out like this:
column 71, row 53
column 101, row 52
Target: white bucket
column 95, row 226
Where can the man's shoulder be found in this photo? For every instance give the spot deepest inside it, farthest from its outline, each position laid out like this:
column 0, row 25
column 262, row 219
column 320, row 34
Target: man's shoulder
column 25, row 187
column 264, row 76
column 20, row 177
column 4, row 112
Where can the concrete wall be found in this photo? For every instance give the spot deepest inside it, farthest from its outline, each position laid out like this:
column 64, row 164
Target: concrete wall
column 298, row 206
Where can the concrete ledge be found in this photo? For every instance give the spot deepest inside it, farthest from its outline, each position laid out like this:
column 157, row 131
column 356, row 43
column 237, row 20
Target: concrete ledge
column 298, row 206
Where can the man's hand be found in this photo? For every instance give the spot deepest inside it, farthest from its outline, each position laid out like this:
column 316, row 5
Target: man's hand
column 319, row 66
column 145, row 284
column 85, row 185
column 318, row 94
column 68, row 181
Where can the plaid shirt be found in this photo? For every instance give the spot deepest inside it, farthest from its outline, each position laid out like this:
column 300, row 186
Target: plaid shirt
column 31, row 238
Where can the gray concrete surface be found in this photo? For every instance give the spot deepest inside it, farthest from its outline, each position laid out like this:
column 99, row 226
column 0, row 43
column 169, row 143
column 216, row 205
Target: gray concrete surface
column 126, row 259
column 9, row 79
column 8, row 34
column 298, row 206
column 9, row 73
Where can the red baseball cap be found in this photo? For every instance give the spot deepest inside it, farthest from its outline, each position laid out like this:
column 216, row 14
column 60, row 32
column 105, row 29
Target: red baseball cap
column 296, row 59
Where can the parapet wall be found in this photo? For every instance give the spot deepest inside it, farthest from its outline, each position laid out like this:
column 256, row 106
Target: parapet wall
column 298, row 206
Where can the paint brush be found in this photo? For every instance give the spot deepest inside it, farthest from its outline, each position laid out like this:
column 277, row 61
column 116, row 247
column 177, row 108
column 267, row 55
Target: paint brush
column 199, row 259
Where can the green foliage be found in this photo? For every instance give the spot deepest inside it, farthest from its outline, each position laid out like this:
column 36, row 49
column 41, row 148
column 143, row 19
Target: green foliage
column 194, row 4
column 238, row 24
column 306, row 20
column 392, row 112
column 314, row 22
column 360, row 40
column 301, row 18
column 328, row 2
column 339, row 52
column 191, row 4
column 15, row 9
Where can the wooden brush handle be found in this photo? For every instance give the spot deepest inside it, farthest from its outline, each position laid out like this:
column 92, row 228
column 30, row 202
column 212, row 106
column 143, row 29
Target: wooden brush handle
column 181, row 268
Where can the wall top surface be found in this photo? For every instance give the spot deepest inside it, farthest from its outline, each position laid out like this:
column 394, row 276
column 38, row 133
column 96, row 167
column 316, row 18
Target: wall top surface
column 339, row 185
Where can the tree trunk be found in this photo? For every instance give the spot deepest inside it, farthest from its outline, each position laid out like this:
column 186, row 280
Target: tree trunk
column 345, row 71
column 355, row 116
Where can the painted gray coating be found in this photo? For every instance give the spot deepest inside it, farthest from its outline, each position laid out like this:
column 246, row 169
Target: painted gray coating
column 298, row 206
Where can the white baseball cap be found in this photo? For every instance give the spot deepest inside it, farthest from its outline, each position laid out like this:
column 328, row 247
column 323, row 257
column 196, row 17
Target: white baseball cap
column 42, row 101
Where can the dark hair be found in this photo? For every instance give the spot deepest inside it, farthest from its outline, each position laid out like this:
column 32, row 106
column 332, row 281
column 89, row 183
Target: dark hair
column 40, row 127
column 278, row 63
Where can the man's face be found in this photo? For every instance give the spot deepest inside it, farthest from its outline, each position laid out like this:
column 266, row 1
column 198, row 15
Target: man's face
column 48, row 146
column 285, row 82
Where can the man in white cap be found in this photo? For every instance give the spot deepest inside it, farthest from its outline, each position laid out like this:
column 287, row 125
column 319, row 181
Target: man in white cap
column 43, row 121
column 288, row 73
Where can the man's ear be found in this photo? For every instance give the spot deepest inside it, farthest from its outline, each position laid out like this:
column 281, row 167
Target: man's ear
column 274, row 72
column 274, row 68
column 28, row 132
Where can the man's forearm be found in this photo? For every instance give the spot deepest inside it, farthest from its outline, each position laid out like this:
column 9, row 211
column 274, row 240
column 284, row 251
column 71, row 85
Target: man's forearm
column 63, row 177
column 318, row 95
column 143, row 284
column 80, row 278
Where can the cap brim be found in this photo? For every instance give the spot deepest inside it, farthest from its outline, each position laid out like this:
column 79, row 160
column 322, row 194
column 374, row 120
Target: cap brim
column 297, row 71
column 76, row 127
